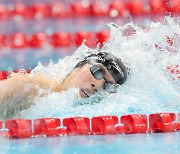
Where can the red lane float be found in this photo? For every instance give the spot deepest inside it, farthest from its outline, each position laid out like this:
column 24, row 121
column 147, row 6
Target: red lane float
column 104, row 125
column 77, row 125
column 19, row 128
column 135, row 123
column 102, row 37
column 98, row 9
column 158, row 7
column 137, row 7
column 80, row 36
column 65, row 39
column 3, row 11
column 37, row 40
column 162, row 122
column 3, row 75
column 173, row 6
column 117, row 8
column 16, row 40
column 59, row 10
column 85, row 9
column 2, row 41
column 0, row 124
column 60, row 39
column 48, row 127
column 101, row 125
column 38, row 10
column 19, row 10
column 78, row 9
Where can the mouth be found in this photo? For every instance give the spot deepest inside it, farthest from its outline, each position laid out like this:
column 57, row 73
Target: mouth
column 83, row 93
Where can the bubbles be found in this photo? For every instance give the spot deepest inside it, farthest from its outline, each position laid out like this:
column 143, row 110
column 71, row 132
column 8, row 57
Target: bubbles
column 149, row 89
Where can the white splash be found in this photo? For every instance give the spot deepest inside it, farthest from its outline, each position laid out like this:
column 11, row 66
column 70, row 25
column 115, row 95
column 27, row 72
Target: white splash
column 149, row 89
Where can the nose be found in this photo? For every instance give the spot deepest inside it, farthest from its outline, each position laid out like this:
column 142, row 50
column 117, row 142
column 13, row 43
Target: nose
column 97, row 85
column 93, row 87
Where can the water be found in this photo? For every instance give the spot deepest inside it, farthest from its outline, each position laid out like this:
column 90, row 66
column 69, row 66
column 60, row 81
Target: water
column 139, row 143
column 11, row 59
column 150, row 87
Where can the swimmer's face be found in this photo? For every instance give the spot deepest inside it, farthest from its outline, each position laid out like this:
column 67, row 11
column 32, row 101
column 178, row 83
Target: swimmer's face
column 87, row 81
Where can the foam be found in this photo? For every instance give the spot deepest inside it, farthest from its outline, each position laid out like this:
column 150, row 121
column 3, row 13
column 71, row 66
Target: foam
column 149, row 89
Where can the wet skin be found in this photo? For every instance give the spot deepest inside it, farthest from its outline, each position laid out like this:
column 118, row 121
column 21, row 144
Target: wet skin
column 18, row 92
column 83, row 79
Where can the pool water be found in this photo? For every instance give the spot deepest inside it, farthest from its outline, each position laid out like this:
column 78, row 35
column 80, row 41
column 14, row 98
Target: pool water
column 150, row 88
column 137, row 143
column 144, row 90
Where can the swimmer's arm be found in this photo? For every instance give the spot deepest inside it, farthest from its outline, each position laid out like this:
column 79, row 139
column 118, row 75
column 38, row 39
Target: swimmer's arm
column 20, row 89
column 33, row 80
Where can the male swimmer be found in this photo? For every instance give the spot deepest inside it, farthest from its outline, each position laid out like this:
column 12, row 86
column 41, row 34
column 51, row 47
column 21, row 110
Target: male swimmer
column 96, row 72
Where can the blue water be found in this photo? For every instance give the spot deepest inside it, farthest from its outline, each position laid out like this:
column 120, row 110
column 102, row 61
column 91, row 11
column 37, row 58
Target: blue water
column 150, row 89
column 139, row 143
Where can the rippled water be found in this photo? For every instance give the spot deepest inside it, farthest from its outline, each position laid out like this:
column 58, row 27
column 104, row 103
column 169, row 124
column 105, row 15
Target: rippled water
column 150, row 87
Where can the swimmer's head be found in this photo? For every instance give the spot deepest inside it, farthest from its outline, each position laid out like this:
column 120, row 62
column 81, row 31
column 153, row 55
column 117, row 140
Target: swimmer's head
column 96, row 72
column 113, row 64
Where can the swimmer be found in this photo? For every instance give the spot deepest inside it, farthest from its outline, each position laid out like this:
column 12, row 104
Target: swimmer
column 102, row 71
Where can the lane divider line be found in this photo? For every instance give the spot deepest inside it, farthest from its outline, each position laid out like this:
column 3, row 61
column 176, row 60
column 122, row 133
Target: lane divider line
column 117, row 8
column 101, row 125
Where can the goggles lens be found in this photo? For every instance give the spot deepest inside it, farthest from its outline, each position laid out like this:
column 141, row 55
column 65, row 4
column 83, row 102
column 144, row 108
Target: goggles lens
column 99, row 74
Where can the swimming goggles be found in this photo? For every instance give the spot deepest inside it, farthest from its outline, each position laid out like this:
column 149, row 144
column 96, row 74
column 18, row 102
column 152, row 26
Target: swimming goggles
column 98, row 73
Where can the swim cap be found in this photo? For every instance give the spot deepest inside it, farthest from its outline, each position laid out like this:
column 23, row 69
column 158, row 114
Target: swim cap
column 113, row 64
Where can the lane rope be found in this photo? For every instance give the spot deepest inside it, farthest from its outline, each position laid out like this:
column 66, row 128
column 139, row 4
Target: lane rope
column 65, row 39
column 117, row 8
column 100, row 125
column 59, row 39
